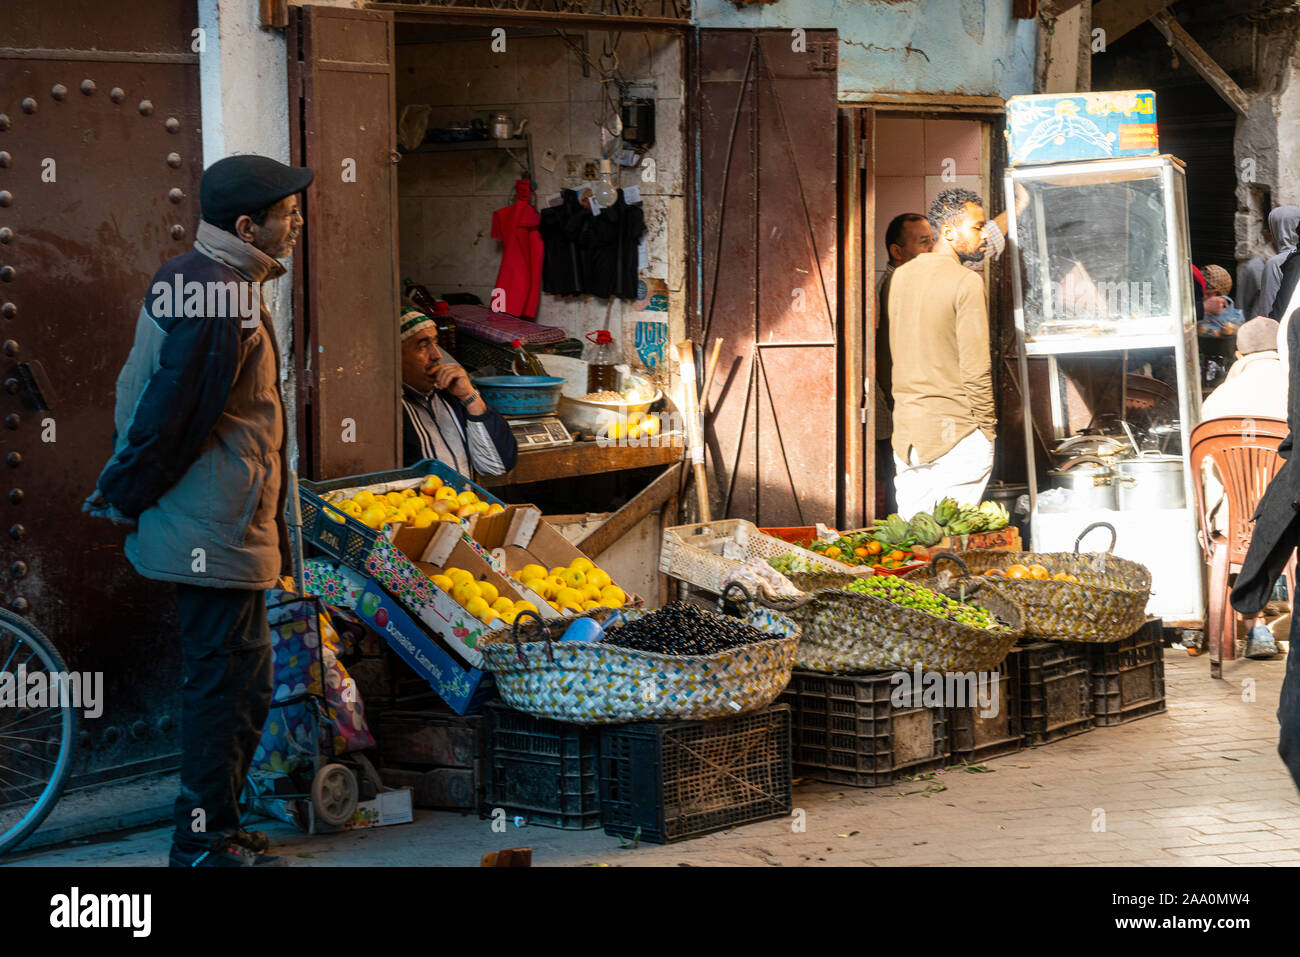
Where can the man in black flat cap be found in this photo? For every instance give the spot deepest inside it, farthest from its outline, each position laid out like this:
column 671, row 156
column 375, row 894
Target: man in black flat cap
column 198, row 474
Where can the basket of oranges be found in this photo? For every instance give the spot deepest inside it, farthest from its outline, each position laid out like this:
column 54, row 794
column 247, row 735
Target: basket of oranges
column 1071, row 596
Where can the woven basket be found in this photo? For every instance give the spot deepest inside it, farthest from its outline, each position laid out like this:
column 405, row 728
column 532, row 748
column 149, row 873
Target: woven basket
column 705, row 555
column 845, row 632
column 595, row 683
column 1107, row 604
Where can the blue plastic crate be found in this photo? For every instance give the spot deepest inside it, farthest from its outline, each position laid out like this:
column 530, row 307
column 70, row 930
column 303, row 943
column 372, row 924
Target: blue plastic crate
column 350, row 540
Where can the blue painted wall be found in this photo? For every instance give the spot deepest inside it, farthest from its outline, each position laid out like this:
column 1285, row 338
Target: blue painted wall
column 972, row 47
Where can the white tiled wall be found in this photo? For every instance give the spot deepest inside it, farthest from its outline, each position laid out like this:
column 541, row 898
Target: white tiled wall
column 446, row 200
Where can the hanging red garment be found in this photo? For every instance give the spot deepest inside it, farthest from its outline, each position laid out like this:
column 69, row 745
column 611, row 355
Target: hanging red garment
column 520, row 275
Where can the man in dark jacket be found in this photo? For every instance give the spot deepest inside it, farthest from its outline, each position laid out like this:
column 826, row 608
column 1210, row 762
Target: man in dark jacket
column 198, row 471
column 443, row 416
column 1276, row 534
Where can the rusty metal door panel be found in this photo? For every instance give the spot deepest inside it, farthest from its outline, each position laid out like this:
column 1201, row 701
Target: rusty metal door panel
column 768, row 174
column 341, row 61
column 101, row 163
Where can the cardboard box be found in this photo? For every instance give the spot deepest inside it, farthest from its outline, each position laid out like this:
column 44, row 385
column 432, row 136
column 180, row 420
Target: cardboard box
column 388, row 807
column 1059, row 128
column 460, row 686
column 1003, row 540
column 518, row 537
column 455, row 789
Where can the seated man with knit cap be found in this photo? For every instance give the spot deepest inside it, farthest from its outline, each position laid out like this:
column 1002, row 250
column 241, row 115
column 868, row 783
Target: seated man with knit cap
column 443, row 416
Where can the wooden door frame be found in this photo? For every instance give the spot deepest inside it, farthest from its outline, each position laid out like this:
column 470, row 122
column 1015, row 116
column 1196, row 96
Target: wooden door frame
column 857, row 304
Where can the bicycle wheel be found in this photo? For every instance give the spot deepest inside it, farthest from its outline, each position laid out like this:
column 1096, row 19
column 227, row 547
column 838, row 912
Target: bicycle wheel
column 36, row 743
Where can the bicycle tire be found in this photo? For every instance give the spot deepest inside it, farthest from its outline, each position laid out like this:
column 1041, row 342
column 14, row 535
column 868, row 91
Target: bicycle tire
column 49, row 797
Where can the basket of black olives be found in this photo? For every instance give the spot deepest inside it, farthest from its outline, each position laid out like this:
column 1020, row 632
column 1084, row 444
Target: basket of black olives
column 629, row 664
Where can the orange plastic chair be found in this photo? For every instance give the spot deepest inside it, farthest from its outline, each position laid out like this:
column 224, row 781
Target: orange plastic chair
column 1244, row 451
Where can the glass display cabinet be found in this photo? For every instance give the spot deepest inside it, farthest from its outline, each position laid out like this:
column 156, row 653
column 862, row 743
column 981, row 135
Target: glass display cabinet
column 1106, row 326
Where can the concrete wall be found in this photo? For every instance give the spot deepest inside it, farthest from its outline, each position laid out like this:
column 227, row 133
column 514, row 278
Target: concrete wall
column 972, row 47
column 446, row 200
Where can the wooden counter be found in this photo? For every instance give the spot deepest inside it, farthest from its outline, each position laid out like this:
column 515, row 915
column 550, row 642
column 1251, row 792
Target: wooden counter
column 582, row 458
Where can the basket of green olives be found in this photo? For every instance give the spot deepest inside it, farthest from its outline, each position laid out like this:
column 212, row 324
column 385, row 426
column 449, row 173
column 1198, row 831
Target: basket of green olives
column 887, row 623
column 629, row 664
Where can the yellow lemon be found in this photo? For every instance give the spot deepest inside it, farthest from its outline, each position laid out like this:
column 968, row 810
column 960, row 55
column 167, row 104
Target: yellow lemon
column 467, row 498
column 589, row 605
column 351, row 507
column 598, row 578
column 459, row 575
column 495, row 509
column 373, row 516
column 464, row 592
column 650, row 426
column 522, row 605
column 365, row 498
column 475, row 605
column 570, row 606
column 635, row 418
column 590, row 592
column 424, row 518
column 554, row 604
column 529, row 572
column 443, row 582
column 509, row 616
column 483, row 508
column 574, row 577
column 446, row 492
column 488, row 617
column 613, row 596
column 582, row 563
column 539, row 586
column 409, row 493
column 617, row 430
column 489, row 591
column 502, row 605
column 557, row 571
column 428, row 500
column 451, row 517
column 430, row 485
column 394, row 498
column 568, row 595
column 556, row 582
column 335, row 516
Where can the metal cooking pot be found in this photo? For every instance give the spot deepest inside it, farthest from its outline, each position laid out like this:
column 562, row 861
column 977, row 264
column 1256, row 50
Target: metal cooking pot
column 1150, row 482
column 1091, row 444
column 1089, row 480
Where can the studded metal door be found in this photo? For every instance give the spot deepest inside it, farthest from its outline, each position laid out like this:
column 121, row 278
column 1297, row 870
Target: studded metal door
column 99, row 165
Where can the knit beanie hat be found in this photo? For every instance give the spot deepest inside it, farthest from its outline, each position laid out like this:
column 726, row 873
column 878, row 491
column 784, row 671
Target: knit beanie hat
column 412, row 321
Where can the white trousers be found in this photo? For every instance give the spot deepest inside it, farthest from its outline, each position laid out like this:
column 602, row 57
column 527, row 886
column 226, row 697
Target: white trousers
column 961, row 473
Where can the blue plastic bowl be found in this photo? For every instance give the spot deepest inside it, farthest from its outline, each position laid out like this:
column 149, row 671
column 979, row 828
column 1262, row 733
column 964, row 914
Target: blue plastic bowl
column 521, row 394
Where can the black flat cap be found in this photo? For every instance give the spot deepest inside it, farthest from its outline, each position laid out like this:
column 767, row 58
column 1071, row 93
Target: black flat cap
column 238, row 185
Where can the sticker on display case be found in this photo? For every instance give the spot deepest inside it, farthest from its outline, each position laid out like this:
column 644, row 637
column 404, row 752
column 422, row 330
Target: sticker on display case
column 1057, row 128
column 651, row 339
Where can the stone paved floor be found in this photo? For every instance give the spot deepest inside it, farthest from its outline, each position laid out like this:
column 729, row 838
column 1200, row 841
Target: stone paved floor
column 1198, row 785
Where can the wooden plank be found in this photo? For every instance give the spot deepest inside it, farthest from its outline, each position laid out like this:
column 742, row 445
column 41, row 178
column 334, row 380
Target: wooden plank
column 582, row 458
column 1118, row 17
column 1051, row 9
column 642, row 504
column 853, row 334
column 1203, row 63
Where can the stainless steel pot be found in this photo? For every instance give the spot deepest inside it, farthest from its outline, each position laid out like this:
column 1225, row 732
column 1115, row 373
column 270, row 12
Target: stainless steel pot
column 1150, row 482
column 1089, row 480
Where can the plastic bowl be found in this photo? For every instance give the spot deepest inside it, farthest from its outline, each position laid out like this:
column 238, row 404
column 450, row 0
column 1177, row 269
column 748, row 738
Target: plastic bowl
column 583, row 416
column 520, row 394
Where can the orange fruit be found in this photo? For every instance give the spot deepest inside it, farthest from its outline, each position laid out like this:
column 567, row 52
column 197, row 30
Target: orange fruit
column 1039, row 573
column 833, row 552
column 996, row 573
column 861, row 551
column 1017, row 571
column 895, row 556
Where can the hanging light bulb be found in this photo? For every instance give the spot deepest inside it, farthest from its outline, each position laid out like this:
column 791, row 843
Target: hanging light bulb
column 604, row 192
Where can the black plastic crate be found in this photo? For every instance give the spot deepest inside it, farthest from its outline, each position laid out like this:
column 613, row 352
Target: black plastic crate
column 848, row 730
column 543, row 771
column 433, row 737
column 973, row 738
column 667, row 781
column 1128, row 677
column 1055, row 690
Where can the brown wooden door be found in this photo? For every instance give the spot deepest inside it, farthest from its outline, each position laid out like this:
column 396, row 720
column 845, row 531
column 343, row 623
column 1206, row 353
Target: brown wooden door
column 346, row 301
column 100, row 159
column 767, row 116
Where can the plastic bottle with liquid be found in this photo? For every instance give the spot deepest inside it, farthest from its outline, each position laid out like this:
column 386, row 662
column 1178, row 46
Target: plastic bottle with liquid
column 601, row 356
column 525, row 363
column 446, row 327
column 418, row 296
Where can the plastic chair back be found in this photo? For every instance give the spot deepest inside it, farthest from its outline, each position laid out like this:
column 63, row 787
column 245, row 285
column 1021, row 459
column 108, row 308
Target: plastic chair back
column 1244, row 451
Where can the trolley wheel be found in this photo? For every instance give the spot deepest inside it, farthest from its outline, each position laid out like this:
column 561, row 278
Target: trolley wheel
column 334, row 794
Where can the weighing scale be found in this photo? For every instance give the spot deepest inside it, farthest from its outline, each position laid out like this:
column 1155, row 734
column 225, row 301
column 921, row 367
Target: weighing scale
column 538, row 431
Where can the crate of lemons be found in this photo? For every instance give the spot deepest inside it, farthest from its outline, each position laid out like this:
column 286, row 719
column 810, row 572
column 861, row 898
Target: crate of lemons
column 431, row 502
column 577, row 588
